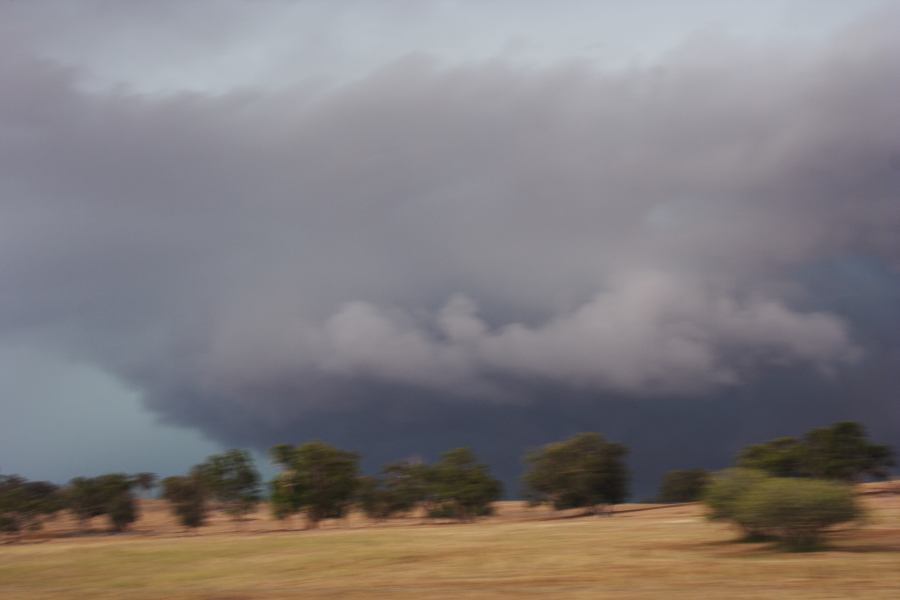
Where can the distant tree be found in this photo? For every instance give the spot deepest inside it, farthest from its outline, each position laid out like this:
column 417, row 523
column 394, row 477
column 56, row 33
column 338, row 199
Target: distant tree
column 583, row 471
column 25, row 505
column 122, row 511
column 461, row 487
column 187, row 499
column 724, row 492
column 283, row 501
column 781, row 457
column 400, row 488
column 373, row 498
column 409, row 483
column 86, row 498
column 840, row 451
column 683, row 485
column 796, row 511
column 231, row 480
column 317, row 478
column 120, row 501
column 111, row 495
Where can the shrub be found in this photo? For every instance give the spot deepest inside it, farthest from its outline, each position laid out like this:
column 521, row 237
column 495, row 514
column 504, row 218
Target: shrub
column 841, row 451
column 797, row 511
column 724, row 492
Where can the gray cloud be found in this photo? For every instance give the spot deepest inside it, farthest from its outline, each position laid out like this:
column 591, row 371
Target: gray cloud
column 481, row 234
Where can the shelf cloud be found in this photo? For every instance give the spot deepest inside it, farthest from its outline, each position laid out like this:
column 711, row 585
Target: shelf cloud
column 480, row 234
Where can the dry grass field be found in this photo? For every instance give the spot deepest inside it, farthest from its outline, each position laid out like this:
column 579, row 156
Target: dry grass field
column 668, row 552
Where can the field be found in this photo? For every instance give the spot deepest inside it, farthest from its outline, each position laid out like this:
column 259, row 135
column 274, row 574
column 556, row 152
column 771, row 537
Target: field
column 641, row 552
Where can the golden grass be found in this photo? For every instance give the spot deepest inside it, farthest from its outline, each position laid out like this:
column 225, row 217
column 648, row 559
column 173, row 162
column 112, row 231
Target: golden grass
column 523, row 553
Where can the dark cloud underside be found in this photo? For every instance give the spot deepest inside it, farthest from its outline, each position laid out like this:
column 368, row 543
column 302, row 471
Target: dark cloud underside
column 684, row 256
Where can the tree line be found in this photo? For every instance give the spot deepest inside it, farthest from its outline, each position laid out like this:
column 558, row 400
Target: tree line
column 320, row 481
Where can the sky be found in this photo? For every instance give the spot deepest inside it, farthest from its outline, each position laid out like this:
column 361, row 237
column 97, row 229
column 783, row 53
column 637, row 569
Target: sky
column 405, row 226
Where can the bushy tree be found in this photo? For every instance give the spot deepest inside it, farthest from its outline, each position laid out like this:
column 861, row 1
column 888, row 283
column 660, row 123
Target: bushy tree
column 840, row 451
column 583, row 471
column 122, row 511
column 230, row 480
column 723, row 493
column 683, row 485
column 111, row 495
column 461, row 487
column 781, row 457
column 25, row 505
column 317, row 478
column 283, row 501
column 796, row 511
column 187, row 499
column 410, row 484
column 374, row 499
column 396, row 491
column 86, row 498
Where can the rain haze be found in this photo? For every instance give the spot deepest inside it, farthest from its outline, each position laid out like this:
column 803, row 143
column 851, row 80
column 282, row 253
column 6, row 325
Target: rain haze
column 402, row 227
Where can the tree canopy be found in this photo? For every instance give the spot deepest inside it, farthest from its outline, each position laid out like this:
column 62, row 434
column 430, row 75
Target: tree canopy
column 841, row 451
column 583, row 471
column 317, row 478
column 24, row 505
column 188, row 498
column 462, row 487
column 231, row 480
column 111, row 495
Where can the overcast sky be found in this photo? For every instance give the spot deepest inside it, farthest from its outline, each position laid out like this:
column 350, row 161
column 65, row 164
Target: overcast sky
column 406, row 225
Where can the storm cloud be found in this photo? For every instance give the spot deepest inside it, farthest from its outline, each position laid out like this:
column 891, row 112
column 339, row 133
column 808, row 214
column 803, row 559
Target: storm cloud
column 481, row 248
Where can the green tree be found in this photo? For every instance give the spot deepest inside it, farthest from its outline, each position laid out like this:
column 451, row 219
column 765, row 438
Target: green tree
column 317, row 478
column 840, row 451
column 25, row 505
column 86, row 499
column 583, row 471
column 231, row 480
column 797, row 511
column 400, row 488
column 187, row 499
column 111, row 495
column 724, row 492
column 781, row 457
column 373, row 498
column 683, row 485
column 409, row 484
column 283, row 501
column 122, row 511
column 461, row 487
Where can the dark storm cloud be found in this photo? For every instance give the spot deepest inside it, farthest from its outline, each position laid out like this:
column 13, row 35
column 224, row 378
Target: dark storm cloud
column 442, row 252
